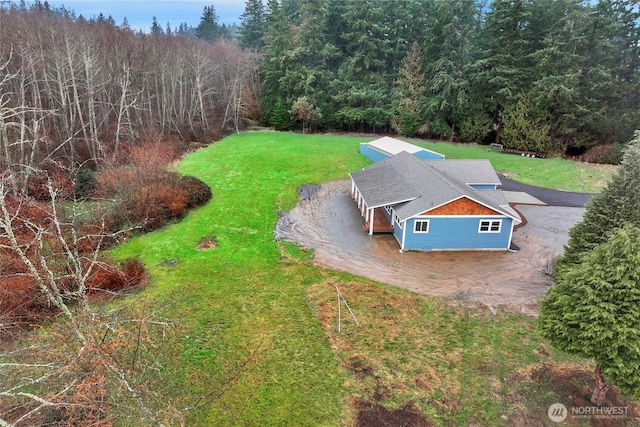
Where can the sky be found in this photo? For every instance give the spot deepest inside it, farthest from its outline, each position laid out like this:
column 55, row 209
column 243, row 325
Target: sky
column 140, row 13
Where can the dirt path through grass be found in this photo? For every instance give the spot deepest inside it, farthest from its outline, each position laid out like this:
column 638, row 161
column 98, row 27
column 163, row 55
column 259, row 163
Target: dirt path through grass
column 327, row 220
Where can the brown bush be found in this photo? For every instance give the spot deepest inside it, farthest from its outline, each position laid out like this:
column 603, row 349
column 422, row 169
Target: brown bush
column 149, row 197
column 198, row 192
column 22, row 302
column 107, row 280
column 21, row 305
column 38, row 183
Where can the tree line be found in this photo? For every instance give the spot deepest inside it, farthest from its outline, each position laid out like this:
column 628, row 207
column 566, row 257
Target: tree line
column 75, row 92
column 544, row 75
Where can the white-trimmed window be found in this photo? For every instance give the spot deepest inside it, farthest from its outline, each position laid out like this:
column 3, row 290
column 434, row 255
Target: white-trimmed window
column 421, row 226
column 490, row 226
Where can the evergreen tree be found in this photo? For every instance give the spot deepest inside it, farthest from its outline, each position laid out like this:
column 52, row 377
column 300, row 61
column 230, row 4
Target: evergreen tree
column 281, row 117
column 559, row 71
column 208, row 29
column 156, row 29
column 184, row 30
column 306, row 112
column 407, row 22
column 253, row 24
column 411, row 88
column 276, row 98
column 307, row 75
column 616, row 44
column 365, row 76
column 523, row 129
column 503, row 70
column 593, row 311
column 450, row 46
column 291, row 9
column 335, row 23
column 618, row 204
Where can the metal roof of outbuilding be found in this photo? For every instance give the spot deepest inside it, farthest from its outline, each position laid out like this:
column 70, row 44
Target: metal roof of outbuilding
column 393, row 146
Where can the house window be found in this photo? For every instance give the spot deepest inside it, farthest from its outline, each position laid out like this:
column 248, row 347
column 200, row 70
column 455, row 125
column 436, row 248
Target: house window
column 490, row 226
column 421, row 226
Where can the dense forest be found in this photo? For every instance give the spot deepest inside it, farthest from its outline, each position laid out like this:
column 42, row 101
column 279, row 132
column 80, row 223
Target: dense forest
column 543, row 75
column 76, row 92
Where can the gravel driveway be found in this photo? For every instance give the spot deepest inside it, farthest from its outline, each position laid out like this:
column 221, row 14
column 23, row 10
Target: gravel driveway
column 327, row 220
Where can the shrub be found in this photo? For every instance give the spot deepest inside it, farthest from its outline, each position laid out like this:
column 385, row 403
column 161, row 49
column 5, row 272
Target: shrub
column 197, row 191
column 37, row 185
column 108, row 280
column 85, row 183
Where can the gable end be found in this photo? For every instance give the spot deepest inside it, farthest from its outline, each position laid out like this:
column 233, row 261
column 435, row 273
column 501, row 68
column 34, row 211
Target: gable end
column 462, row 206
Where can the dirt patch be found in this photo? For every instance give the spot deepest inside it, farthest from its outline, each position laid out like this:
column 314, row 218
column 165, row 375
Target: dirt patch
column 534, row 390
column 207, row 243
column 370, row 414
column 510, row 175
column 327, row 220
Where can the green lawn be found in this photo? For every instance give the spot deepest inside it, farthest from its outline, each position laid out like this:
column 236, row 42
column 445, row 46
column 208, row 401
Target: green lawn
column 554, row 172
column 240, row 298
column 249, row 298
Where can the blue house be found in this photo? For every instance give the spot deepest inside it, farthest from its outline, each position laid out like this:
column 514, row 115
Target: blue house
column 386, row 147
column 435, row 204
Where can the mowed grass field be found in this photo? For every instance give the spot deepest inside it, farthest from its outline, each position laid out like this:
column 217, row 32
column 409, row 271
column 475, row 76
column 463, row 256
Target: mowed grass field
column 256, row 341
column 554, row 172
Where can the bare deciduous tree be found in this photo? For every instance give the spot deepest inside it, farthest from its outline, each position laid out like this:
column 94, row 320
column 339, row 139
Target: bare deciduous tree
column 91, row 366
column 78, row 90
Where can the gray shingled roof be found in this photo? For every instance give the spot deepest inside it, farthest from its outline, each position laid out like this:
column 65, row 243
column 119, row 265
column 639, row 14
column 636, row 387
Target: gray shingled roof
column 478, row 171
column 414, row 185
column 382, row 184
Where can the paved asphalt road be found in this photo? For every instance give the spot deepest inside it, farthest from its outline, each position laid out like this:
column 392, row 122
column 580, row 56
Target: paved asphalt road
column 548, row 196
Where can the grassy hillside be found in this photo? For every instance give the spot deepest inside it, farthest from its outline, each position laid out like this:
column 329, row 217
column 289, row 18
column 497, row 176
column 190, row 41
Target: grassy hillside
column 258, row 308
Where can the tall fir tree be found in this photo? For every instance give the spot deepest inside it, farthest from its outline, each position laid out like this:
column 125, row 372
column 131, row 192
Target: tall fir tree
column 309, row 77
column 450, row 38
column 503, row 69
column 617, row 205
column 365, row 77
column 593, row 311
column 559, row 62
column 209, row 29
column 276, row 97
column 254, row 23
column 410, row 89
column 156, row 29
column 524, row 129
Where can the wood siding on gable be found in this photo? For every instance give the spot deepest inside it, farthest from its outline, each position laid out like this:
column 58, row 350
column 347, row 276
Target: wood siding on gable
column 462, row 206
